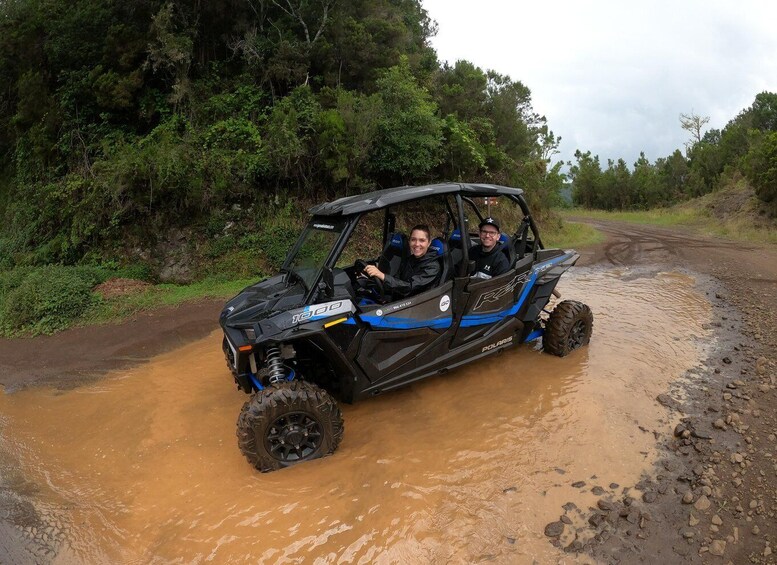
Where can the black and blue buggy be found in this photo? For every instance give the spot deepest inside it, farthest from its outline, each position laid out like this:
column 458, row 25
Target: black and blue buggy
column 315, row 332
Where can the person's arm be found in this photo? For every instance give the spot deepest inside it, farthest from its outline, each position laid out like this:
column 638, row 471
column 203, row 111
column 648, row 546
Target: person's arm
column 419, row 281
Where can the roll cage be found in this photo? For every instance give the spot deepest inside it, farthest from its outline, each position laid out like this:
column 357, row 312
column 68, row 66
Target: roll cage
column 343, row 215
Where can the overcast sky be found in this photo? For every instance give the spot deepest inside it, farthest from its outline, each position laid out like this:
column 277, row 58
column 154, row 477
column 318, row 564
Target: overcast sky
column 613, row 76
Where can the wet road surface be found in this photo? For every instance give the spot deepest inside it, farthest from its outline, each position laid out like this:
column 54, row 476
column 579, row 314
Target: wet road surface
column 143, row 466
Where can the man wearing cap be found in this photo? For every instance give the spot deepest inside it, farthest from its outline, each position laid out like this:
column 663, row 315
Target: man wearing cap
column 487, row 255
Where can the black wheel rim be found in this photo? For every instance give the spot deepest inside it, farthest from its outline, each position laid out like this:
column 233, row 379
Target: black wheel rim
column 577, row 334
column 293, row 437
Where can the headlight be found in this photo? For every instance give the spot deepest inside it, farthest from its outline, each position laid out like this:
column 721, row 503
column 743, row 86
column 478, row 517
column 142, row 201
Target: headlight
column 250, row 334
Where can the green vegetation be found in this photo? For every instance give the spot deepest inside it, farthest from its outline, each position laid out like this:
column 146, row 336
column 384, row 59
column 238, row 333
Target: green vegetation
column 745, row 150
column 120, row 122
column 570, row 235
column 186, row 139
column 44, row 300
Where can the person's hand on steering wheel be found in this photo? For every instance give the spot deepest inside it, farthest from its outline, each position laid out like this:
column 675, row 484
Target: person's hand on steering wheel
column 373, row 271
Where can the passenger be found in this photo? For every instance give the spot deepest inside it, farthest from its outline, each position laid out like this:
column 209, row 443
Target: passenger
column 416, row 273
column 487, row 255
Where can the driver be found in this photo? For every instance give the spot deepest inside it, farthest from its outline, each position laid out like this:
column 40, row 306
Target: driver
column 487, row 255
column 416, row 272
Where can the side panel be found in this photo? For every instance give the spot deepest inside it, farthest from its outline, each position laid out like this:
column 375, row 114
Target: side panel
column 401, row 331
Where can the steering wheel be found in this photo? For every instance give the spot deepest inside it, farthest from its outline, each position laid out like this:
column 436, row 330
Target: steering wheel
column 375, row 284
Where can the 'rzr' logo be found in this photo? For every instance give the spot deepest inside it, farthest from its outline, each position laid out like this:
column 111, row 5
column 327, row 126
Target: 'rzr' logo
column 498, row 293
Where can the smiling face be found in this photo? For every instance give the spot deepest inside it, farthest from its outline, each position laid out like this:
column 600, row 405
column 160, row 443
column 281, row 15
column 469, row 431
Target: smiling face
column 419, row 242
column 489, row 235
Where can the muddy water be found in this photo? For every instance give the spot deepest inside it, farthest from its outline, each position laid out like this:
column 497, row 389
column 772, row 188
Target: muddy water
column 144, row 467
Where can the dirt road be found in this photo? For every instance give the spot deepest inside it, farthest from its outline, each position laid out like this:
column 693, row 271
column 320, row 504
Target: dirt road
column 725, row 452
column 710, row 496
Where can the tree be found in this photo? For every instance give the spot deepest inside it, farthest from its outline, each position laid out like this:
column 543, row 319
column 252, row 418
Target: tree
column 409, row 133
column 761, row 167
column 693, row 123
column 586, row 178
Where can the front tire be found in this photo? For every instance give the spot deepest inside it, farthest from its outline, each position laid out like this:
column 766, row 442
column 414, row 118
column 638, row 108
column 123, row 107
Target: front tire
column 569, row 327
column 288, row 423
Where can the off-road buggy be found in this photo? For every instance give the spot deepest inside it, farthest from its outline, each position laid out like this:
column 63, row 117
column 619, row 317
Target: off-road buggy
column 310, row 334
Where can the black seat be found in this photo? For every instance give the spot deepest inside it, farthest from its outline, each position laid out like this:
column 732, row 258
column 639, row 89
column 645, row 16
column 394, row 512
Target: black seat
column 521, row 243
column 456, row 250
column 440, row 249
column 507, row 248
column 396, row 249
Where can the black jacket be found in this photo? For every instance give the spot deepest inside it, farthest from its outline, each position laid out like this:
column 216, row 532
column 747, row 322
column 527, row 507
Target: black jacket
column 414, row 275
column 492, row 263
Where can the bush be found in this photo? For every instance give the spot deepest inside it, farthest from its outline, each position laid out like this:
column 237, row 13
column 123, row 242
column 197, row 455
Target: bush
column 47, row 299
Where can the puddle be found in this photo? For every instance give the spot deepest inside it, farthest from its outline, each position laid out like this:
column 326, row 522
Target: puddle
column 144, row 466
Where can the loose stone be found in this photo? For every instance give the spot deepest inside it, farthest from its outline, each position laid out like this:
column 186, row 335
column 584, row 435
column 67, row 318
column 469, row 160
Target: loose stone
column 717, row 520
column 554, row 529
column 703, row 503
column 718, row 547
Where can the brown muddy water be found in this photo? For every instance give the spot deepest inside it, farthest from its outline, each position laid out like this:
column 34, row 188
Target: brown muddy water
column 143, row 467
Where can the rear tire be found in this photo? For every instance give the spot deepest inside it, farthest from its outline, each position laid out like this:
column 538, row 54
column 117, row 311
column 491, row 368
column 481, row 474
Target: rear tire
column 288, row 423
column 569, row 327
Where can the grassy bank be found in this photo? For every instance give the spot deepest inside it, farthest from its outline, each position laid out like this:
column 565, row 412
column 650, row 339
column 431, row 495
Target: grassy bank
column 156, row 296
column 568, row 235
column 45, row 300
column 731, row 213
column 735, row 228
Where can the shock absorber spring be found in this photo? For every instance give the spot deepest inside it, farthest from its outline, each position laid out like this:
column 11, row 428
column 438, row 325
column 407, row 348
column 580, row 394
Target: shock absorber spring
column 275, row 365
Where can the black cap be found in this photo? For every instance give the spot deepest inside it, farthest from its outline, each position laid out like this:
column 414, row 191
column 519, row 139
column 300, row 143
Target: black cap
column 489, row 221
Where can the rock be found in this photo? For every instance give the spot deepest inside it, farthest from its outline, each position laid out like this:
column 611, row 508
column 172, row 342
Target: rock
column 688, row 497
column 596, row 519
column 718, row 547
column 666, row 400
column 767, row 551
column 689, row 534
column 649, row 497
column 605, row 505
column 567, row 520
column 756, row 530
column 760, row 365
column 569, row 506
column 613, row 486
column 737, row 458
column 719, row 424
column 598, row 491
column 678, row 430
column 727, row 360
column 574, row 547
column 703, row 503
column 693, row 520
column 554, row 529
column 509, row 489
column 753, row 504
column 717, row 520
column 578, row 484
column 727, row 396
